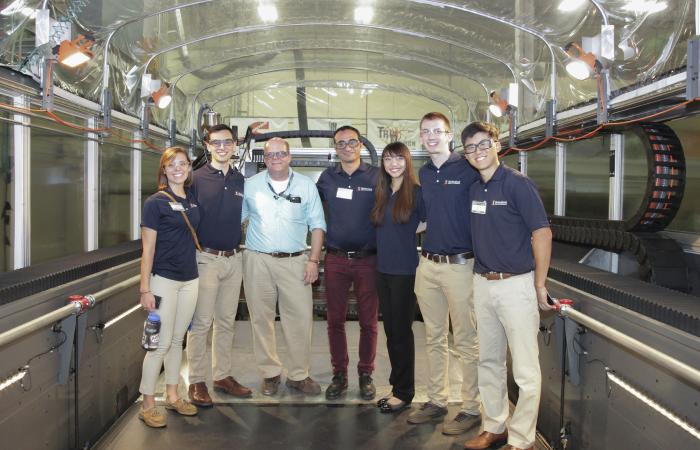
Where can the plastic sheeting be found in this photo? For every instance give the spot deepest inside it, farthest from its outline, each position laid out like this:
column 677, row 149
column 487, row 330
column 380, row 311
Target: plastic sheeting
column 451, row 51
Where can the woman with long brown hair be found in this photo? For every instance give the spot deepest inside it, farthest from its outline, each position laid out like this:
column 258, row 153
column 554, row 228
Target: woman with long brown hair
column 395, row 216
column 169, row 279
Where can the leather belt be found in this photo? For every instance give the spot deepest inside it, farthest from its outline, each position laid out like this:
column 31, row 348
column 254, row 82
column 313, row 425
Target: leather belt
column 226, row 253
column 460, row 258
column 284, row 254
column 351, row 255
column 491, row 276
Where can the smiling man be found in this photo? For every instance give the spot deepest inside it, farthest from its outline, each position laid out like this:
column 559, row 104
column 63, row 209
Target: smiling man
column 218, row 187
column 444, row 276
column 347, row 191
column 512, row 246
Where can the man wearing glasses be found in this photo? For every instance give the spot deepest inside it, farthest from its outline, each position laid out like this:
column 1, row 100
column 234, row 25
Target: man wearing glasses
column 218, row 188
column 512, row 244
column 347, row 191
column 282, row 206
column 444, row 276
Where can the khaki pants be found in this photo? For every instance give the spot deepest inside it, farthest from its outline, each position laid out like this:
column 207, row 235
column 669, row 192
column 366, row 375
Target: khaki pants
column 217, row 302
column 269, row 280
column 506, row 311
column 179, row 299
column 444, row 293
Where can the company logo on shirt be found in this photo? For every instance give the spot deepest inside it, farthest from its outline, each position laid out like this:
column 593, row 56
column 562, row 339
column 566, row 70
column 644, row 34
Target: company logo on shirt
column 364, row 189
column 499, row 203
column 453, row 182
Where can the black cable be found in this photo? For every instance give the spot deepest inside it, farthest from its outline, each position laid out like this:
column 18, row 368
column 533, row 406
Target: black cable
column 563, row 380
column 28, row 375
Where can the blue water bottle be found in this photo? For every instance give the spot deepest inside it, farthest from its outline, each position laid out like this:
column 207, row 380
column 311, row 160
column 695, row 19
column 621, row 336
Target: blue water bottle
column 151, row 332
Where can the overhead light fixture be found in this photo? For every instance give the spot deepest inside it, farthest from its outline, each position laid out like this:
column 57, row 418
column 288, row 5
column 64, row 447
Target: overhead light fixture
column 364, row 14
column 267, row 12
column 74, row 53
column 570, row 5
column 498, row 106
column 162, row 97
column 582, row 64
column 644, row 6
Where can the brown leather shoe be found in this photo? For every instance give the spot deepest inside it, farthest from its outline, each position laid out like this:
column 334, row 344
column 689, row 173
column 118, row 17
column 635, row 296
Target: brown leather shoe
column 270, row 385
column 232, row 387
column 199, row 395
column 306, row 386
column 486, row 440
column 510, row 447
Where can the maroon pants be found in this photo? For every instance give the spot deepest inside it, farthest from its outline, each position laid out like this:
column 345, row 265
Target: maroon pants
column 340, row 273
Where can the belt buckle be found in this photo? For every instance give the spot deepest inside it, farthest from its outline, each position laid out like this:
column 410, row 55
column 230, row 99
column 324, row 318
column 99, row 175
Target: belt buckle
column 275, row 254
column 351, row 255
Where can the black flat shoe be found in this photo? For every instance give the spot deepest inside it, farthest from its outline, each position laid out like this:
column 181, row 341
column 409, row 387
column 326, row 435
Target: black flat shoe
column 385, row 407
column 383, row 400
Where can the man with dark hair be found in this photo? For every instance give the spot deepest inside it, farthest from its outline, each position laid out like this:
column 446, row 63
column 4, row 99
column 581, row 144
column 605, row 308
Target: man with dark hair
column 218, row 187
column 512, row 246
column 348, row 193
column 444, row 276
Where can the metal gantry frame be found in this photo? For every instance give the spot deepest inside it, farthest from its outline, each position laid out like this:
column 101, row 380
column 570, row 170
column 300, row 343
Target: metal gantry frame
column 560, row 179
column 21, row 224
column 92, row 188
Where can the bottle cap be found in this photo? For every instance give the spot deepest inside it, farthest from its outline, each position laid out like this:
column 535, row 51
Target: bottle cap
column 153, row 317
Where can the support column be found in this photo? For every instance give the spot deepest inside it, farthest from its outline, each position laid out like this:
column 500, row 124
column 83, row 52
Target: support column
column 616, row 191
column 92, row 188
column 560, row 179
column 136, row 188
column 21, row 199
column 522, row 162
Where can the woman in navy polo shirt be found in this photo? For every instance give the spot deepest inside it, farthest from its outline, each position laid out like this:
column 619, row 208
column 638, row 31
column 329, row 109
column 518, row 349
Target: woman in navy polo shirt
column 395, row 216
column 169, row 279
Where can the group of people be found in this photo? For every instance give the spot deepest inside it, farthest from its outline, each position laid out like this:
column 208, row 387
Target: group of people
column 480, row 274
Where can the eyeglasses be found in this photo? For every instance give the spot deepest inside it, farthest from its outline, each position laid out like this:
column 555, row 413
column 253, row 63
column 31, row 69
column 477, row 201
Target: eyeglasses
column 482, row 146
column 228, row 143
column 353, row 143
column 177, row 165
column 436, row 132
column 275, row 155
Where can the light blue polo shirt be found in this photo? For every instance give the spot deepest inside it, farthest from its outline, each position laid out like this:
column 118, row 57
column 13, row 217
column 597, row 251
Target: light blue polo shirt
column 276, row 223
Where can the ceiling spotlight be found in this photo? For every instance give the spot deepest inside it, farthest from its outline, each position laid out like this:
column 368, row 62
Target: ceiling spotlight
column 644, row 6
column 162, row 97
column 74, row 53
column 581, row 64
column 498, row 106
column 364, row 14
column 570, row 5
column 267, row 12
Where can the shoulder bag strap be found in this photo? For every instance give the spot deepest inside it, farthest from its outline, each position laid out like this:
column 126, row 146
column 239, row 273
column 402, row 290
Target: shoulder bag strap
column 187, row 221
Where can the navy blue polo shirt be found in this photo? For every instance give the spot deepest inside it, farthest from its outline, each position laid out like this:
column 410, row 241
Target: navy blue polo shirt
column 220, row 200
column 446, row 205
column 349, row 200
column 175, row 256
column 504, row 213
column 396, row 242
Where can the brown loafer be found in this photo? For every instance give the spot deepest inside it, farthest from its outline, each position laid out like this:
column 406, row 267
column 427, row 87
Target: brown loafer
column 199, row 395
column 486, row 440
column 306, row 386
column 183, row 407
column 153, row 417
column 232, row 387
column 270, row 385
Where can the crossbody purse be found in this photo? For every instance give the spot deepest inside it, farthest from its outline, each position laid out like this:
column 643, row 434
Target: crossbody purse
column 187, row 221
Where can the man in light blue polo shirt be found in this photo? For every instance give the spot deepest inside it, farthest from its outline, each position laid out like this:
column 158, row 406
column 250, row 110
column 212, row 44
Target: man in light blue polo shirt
column 282, row 206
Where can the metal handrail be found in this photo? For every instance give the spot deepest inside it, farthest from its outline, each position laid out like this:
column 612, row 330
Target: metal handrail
column 78, row 304
column 678, row 368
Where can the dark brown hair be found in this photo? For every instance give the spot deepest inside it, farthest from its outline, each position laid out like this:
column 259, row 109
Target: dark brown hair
column 347, row 127
column 437, row 116
column 165, row 159
column 220, row 127
column 479, row 127
column 405, row 201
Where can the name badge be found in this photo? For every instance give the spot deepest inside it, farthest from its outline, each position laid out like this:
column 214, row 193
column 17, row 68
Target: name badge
column 344, row 193
column 478, row 207
column 176, row 206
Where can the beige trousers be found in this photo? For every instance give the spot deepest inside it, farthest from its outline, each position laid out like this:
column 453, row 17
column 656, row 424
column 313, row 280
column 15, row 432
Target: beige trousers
column 269, row 281
column 217, row 302
column 444, row 293
column 507, row 313
column 179, row 299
